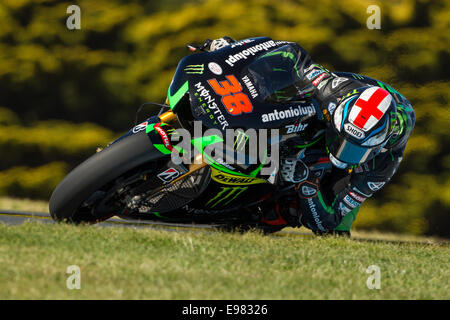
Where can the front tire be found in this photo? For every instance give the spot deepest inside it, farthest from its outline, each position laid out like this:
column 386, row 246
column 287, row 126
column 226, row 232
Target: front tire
column 90, row 180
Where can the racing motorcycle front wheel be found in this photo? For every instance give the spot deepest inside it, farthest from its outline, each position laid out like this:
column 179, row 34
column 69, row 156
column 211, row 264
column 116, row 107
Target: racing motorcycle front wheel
column 122, row 180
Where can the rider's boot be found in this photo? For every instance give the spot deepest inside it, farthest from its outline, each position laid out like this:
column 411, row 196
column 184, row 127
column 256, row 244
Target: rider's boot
column 346, row 223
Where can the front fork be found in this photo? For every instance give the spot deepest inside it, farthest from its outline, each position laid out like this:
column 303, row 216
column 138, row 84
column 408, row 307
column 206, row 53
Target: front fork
column 198, row 163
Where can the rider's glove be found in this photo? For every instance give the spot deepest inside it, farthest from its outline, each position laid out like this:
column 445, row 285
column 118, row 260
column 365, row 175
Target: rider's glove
column 293, row 170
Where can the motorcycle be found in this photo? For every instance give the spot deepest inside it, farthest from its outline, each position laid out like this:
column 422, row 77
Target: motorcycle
column 250, row 84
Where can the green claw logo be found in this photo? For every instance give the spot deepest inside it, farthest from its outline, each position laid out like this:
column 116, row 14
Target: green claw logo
column 227, row 193
column 194, row 69
column 241, row 140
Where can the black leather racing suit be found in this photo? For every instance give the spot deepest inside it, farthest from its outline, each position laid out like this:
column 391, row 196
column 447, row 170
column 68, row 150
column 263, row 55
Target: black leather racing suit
column 343, row 191
column 339, row 193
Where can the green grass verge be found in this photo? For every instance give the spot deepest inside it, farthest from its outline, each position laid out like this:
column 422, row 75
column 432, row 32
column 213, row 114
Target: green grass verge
column 128, row 263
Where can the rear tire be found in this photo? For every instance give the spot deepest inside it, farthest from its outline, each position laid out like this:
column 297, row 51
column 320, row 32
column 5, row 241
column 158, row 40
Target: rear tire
column 91, row 178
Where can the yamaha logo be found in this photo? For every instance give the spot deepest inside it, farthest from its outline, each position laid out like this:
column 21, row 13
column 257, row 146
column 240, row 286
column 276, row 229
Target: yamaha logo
column 353, row 131
column 308, row 191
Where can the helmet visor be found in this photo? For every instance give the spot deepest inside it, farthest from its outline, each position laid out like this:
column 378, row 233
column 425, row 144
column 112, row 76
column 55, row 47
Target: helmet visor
column 346, row 151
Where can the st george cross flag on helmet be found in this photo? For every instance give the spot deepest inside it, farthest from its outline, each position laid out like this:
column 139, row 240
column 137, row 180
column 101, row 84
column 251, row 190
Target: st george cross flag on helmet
column 371, row 105
column 360, row 126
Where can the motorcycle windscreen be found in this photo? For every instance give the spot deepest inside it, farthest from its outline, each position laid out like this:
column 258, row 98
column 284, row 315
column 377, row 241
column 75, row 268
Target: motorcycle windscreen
column 275, row 74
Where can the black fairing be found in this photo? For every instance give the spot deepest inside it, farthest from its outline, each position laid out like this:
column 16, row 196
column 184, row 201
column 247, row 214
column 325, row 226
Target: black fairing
column 196, row 99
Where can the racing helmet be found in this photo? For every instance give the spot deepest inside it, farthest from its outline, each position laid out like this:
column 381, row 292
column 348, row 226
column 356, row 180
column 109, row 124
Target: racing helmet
column 360, row 126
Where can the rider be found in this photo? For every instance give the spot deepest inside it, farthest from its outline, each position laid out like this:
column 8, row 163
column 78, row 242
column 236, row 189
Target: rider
column 368, row 124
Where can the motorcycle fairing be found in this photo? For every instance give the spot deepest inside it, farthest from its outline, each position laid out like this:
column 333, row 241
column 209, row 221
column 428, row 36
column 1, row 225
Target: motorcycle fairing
column 218, row 84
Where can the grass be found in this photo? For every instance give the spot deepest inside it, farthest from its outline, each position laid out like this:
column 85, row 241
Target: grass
column 129, row 263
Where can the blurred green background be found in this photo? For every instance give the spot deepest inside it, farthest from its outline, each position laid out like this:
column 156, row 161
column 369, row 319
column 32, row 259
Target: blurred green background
column 65, row 92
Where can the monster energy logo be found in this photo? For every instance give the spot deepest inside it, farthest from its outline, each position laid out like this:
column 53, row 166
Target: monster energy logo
column 194, row 69
column 228, row 193
column 241, row 140
column 357, row 76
